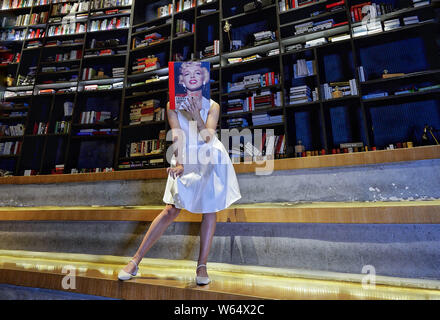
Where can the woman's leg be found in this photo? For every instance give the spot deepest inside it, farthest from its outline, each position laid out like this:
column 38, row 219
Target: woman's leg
column 156, row 229
column 207, row 230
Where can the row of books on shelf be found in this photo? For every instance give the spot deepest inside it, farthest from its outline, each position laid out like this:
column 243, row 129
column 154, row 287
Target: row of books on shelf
column 11, row 106
column 10, row 148
column 145, row 64
column 185, row 4
column 12, row 35
column 69, row 7
column 183, row 26
column 270, row 146
column 98, row 132
column 103, row 4
column 14, row 114
column 10, row 57
column 62, row 127
column 69, row 42
column 285, row 5
column 148, row 110
column 89, row 117
column 40, row 128
column 54, row 69
column 65, row 56
column 8, row 130
column 403, row 90
column 313, row 26
column 91, row 170
column 57, row 91
column 264, row 99
column 211, row 50
column 387, row 25
column 147, row 147
column 317, row 42
column 64, row 29
column 96, row 87
column 254, row 81
column 14, row 4
column 380, row 8
column 152, row 79
column 109, row 24
column 340, row 89
column 148, row 40
column 148, row 163
column 104, row 52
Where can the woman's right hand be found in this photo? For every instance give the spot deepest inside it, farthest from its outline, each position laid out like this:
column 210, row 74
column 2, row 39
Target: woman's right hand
column 176, row 171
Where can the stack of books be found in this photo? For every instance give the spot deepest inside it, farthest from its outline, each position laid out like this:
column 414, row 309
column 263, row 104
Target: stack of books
column 97, row 132
column 266, row 99
column 410, row 20
column 149, row 39
column 314, row 26
column 391, row 24
column 145, row 64
column 148, row 110
column 419, row 3
column 237, row 123
column 264, row 37
column 315, row 42
column 263, row 119
column 238, row 105
column 59, row 169
column 211, row 50
column 300, row 94
column 118, row 72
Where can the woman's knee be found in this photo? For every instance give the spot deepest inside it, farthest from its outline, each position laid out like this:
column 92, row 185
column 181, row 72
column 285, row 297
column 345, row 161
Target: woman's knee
column 172, row 211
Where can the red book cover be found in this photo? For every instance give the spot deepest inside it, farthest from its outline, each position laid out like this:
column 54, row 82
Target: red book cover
column 188, row 78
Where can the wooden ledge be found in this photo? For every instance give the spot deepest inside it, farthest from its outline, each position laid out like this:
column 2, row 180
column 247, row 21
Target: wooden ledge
column 413, row 212
column 337, row 160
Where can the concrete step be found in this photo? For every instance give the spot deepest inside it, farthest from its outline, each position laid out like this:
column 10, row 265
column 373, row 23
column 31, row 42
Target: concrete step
column 171, row 279
column 398, row 239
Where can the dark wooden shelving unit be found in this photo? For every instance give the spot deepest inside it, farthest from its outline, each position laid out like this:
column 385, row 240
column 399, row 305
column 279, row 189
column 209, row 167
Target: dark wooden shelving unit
column 322, row 123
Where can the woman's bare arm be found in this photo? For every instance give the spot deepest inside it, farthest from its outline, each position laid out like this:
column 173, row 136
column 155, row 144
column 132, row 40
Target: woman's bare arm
column 173, row 120
column 211, row 122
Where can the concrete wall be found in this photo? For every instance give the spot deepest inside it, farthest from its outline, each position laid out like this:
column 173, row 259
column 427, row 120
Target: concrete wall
column 415, row 180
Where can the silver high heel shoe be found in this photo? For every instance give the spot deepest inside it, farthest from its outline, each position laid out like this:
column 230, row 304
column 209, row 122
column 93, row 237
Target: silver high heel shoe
column 123, row 275
column 202, row 280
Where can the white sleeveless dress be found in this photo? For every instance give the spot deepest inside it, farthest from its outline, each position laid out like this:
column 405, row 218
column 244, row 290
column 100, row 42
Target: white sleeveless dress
column 204, row 186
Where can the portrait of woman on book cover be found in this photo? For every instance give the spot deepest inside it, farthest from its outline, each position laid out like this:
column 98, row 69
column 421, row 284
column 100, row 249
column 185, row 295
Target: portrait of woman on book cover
column 201, row 187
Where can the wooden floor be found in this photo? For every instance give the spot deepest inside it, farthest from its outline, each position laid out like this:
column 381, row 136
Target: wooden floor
column 167, row 279
column 322, row 212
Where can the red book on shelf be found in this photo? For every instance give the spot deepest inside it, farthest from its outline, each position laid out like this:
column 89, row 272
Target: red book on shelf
column 340, row 24
column 335, row 4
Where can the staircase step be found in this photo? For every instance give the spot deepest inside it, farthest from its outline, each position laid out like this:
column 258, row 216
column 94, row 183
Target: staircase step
column 175, row 279
column 386, row 212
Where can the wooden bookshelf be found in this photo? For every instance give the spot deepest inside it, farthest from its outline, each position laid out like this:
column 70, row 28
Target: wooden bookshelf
column 316, row 122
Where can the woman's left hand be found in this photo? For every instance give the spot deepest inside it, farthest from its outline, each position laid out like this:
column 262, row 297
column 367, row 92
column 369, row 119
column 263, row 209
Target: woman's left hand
column 190, row 106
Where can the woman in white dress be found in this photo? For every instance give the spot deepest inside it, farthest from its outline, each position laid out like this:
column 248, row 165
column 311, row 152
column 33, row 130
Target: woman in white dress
column 201, row 178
